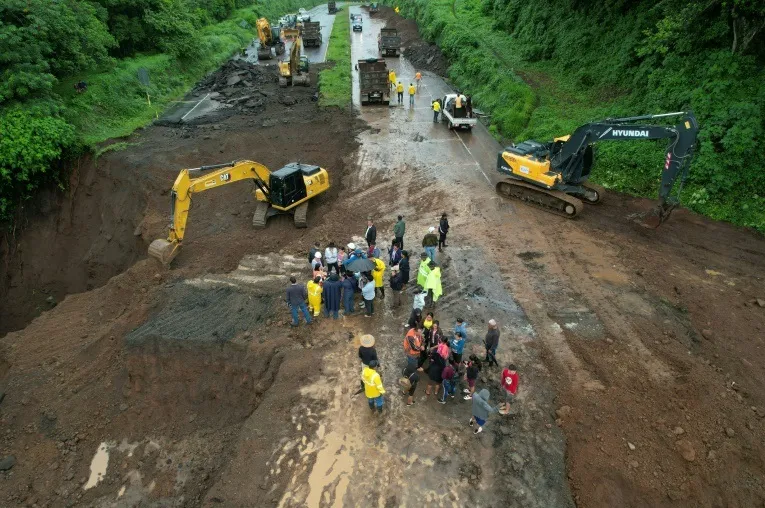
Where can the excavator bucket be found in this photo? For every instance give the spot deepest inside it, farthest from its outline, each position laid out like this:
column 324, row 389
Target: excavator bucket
column 164, row 251
column 290, row 33
column 655, row 217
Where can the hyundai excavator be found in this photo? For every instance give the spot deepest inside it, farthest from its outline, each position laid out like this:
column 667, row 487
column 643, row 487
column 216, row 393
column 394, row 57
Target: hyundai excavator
column 554, row 176
column 294, row 71
column 287, row 190
column 269, row 38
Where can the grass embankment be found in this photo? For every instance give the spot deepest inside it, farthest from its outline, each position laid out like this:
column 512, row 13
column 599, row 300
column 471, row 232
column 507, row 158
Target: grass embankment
column 540, row 71
column 116, row 103
column 335, row 82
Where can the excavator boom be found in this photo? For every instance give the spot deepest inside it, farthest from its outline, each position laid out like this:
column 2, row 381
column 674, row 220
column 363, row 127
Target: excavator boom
column 554, row 175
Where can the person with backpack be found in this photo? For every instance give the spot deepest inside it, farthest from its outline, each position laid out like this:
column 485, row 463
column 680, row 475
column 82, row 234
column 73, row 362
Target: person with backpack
column 412, row 375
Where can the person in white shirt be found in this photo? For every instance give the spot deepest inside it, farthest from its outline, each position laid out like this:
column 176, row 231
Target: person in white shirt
column 330, row 258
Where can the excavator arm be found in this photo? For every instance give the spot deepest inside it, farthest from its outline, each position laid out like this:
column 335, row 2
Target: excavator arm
column 191, row 181
column 573, row 158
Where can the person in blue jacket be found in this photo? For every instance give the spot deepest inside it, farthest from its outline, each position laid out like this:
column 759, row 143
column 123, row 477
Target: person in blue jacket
column 457, row 345
column 349, row 287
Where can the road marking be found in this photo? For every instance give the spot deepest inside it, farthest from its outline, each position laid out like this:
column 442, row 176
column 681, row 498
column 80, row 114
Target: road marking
column 195, row 107
column 471, row 155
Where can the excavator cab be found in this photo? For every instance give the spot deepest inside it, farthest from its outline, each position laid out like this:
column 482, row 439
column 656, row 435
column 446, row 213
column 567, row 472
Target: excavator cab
column 285, row 191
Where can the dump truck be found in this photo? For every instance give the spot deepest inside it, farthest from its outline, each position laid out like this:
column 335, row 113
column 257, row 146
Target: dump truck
column 456, row 118
column 389, row 42
column 331, row 8
column 373, row 81
column 312, row 34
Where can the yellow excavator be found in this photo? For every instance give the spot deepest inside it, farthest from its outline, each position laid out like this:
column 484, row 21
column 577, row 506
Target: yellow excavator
column 294, row 71
column 269, row 38
column 554, row 176
column 287, row 190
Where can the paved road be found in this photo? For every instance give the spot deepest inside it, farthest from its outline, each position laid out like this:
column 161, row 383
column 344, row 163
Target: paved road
column 426, row 455
column 315, row 55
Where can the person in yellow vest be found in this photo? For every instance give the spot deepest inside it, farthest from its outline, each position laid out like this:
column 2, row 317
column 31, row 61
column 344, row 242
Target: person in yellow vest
column 392, row 78
column 433, row 285
column 373, row 387
column 424, row 270
column 377, row 274
column 458, row 101
column 436, row 110
column 418, row 79
column 314, row 295
column 412, row 91
column 400, row 91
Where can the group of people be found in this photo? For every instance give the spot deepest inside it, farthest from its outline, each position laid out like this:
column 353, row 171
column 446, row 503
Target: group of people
column 393, row 83
column 437, row 358
column 335, row 280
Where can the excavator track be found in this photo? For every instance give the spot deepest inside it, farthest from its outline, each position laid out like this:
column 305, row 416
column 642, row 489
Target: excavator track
column 598, row 196
column 552, row 201
column 260, row 216
column 301, row 216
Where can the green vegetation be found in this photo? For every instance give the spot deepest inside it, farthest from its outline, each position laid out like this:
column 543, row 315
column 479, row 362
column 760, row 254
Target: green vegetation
column 544, row 67
column 335, row 82
column 46, row 47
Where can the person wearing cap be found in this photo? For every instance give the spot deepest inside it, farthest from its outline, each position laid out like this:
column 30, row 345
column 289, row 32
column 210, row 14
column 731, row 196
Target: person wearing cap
column 373, row 387
column 433, row 284
column 396, row 284
column 318, row 266
column 491, row 341
column 443, row 228
column 430, row 242
column 314, row 295
column 423, row 271
column 367, row 353
column 370, row 235
column 378, row 273
column 332, row 291
column 398, row 232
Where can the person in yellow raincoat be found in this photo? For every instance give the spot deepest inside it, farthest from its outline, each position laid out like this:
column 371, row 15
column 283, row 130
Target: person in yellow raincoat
column 423, row 271
column 373, row 387
column 400, row 92
column 433, row 284
column 392, row 78
column 314, row 295
column 377, row 275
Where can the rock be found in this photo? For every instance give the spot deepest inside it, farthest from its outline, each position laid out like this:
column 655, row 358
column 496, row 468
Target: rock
column 233, row 80
column 730, row 432
column 609, row 340
column 634, row 464
column 686, row 450
column 108, row 237
column 707, row 333
column 563, row 411
column 712, row 455
column 157, row 276
column 759, row 411
column 7, row 462
column 760, row 302
column 287, row 100
column 123, row 407
column 630, row 446
column 50, row 300
column 679, row 431
column 137, row 230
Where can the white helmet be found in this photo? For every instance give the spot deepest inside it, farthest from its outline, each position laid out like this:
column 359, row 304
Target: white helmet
column 317, row 255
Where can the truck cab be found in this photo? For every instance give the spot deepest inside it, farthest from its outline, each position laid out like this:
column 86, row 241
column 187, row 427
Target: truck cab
column 303, row 15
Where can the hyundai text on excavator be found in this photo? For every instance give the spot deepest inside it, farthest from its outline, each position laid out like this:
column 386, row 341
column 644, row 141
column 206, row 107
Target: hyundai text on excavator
column 294, row 71
column 269, row 38
column 287, row 190
column 553, row 176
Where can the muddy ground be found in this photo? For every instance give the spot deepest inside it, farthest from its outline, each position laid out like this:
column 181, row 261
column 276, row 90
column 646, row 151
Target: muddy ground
column 641, row 352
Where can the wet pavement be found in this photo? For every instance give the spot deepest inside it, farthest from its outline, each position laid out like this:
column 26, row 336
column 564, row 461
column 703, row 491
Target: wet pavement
column 426, row 454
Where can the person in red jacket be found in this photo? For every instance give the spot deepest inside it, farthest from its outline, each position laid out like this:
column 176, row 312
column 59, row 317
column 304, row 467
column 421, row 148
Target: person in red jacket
column 510, row 386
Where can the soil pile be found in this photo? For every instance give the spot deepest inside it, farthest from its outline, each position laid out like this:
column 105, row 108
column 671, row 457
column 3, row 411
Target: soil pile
column 422, row 54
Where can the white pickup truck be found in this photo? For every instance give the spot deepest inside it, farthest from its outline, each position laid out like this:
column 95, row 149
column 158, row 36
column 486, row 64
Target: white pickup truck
column 456, row 118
